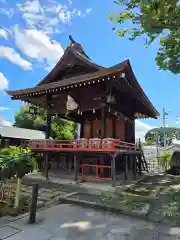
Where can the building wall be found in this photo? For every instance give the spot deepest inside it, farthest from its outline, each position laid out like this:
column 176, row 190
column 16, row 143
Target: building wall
column 90, row 129
column 130, row 131
column 86, row 130
column 120, row 129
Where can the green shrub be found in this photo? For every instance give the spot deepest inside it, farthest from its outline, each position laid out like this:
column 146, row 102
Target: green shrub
column 16, row 162
column 164, row 160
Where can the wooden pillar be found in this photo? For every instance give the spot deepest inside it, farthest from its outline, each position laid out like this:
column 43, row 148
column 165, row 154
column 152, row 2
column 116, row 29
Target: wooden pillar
column 82, row 129
column 114, row 128
column 70, row 162
column 103, row 135
column 76, row 167
column 48, row 133
column 113, row 169
column 125, row 167
column 134, row 168
column 91, row 128
column 103, row 122
column 139, row 164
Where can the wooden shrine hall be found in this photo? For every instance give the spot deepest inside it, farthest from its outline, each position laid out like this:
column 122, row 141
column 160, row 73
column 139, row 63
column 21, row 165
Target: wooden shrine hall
column 105, row 101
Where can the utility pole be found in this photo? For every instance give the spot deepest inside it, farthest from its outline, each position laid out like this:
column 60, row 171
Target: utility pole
column 164, row 127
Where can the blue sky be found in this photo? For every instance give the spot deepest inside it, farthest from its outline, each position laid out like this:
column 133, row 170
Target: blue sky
column 34, row 33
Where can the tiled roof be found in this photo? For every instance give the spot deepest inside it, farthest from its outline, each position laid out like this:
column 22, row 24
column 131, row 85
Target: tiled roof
column 66, row 82
column 21, row 133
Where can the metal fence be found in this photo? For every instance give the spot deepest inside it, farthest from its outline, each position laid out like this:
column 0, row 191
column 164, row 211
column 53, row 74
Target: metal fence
column 154, row 165
column 152, row 154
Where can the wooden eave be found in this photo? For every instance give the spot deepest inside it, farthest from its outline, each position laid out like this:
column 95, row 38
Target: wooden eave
column 66, row 84
column 138, row 89
column 64, row 60
column 112, row 75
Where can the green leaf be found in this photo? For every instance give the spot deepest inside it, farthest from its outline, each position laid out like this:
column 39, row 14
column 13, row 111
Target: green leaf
column 156, row 19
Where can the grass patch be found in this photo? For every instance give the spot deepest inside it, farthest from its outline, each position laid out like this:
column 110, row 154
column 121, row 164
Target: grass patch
column 142, row 191
column 168, row 209
column 120, row 202
column 168, row 212
column 8, row 209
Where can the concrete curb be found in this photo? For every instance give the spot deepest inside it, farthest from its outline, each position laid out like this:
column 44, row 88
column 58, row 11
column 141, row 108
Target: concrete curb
column 142, row 215
column 98, row 206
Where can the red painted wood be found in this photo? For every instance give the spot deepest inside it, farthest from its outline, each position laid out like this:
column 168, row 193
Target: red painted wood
column 120, row 129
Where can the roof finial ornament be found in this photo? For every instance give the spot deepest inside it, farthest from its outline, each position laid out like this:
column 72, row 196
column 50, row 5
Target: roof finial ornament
column 71, row 39
column 75, row 45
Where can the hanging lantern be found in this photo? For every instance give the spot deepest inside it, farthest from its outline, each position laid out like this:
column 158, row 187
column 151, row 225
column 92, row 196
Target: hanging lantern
column 110, row 99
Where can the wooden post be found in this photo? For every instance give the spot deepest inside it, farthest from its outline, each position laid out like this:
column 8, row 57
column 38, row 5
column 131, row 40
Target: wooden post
column 82, row 129
column 76, row 168
column 48, row 126
column 114, row 128
column 46, row 166
column 139, row 164
column 103, row 122
column 70, row 162
column 33, row 207
column 126, row 167
column 103, row 135
column 134, row 168
column 113, row 169
column 91, row 128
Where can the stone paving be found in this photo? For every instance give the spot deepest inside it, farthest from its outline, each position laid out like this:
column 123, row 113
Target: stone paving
column 72, row 222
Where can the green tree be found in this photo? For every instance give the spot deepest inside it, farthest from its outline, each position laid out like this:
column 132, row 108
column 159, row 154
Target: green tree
column 154, row 19
column 149, row 142
column 171, row 132
column 61, row 129
column 24, row 119
column 16, row 162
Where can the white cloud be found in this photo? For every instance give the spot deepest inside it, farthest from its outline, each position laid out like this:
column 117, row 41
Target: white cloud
column 3, row 108
column 141, row 129
column 45, row 15
column 14, row 57
column 36, row 45
column 3, row 33
column 4, row 122
column 40, row 21
column 3, row 81
column 88, row 10
column 8, row 12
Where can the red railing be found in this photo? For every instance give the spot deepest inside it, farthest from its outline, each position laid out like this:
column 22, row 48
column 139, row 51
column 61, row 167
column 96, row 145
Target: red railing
column 105, row 143
column 97, row 172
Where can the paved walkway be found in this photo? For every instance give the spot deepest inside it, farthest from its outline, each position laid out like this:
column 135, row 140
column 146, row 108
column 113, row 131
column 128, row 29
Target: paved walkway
column 72, row 222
